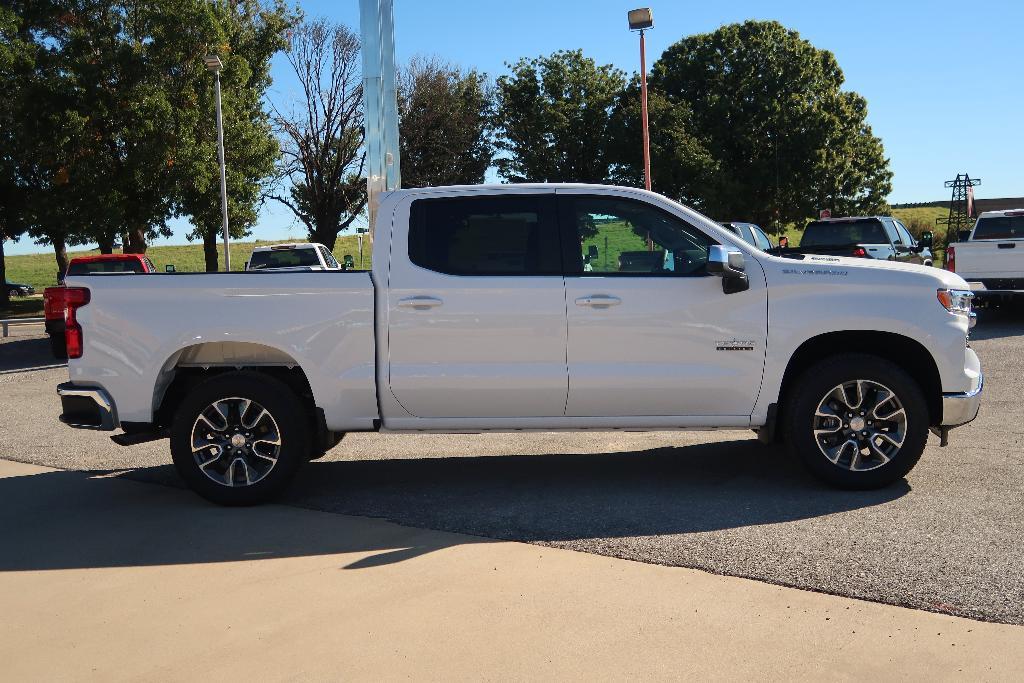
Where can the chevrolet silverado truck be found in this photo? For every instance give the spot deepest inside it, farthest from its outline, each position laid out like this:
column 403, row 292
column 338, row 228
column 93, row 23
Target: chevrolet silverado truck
column 991, row 257
column 511, row 308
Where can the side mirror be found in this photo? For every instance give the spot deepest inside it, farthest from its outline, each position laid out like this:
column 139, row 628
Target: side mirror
column 927, row 238
column 728, row 265
column 169, row 268
column 962, row 235
column 349, row 262
column 592, row 252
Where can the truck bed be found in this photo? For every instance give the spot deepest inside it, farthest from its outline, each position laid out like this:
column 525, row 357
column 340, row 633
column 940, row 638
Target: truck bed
column 138, row 327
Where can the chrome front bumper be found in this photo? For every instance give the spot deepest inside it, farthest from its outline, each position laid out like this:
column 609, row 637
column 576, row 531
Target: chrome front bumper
column 962, row 407
column 86, row 407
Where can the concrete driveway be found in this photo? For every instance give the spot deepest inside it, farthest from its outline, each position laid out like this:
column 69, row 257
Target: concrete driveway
column 107, row 579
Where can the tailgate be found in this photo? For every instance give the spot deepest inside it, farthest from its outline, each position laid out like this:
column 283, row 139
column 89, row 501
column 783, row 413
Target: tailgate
column 983, row 259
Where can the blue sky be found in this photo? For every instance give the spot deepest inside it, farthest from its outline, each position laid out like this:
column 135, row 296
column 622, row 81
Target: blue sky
column 944, row 80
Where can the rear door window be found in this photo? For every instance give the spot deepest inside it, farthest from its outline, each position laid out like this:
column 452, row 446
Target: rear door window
column 890, row 231
column 509, row 235
column 329, row 258
column 905, row 237
column 761, row 239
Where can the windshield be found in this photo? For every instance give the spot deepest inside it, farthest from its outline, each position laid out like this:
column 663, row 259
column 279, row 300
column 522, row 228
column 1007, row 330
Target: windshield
column 834, row 233
column 999, row 228
column 283, row 258
column 113, row 266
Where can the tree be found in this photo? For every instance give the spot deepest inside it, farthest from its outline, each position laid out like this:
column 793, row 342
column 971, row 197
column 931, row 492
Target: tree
column 116, row 119
column 853, row 174
column 322, row 142
column 679, row 159
column 250, row 33
column 15, row 63
column 553, row 117
column 768, row 107
column 445, row 124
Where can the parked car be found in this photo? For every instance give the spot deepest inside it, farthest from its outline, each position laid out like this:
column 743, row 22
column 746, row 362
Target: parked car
column 991, row 256
column 18, row 289
column 479, row 315
column 873, row 237
column 307, row 256
column 53, row 297
column 751, row 234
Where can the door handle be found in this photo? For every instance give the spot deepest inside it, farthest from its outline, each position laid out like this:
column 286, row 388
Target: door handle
column 1008, row 245
column 598, row 301
column 420, row 303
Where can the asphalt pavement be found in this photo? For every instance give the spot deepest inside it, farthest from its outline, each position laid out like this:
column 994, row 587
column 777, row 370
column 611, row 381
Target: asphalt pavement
column 948, row 539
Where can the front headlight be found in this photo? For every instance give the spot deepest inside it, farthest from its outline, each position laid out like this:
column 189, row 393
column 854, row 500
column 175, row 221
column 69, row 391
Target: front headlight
column 957, row 301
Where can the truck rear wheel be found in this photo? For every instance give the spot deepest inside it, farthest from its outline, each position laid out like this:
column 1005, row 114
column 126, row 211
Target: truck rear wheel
column 239, row 438
column 857, row 421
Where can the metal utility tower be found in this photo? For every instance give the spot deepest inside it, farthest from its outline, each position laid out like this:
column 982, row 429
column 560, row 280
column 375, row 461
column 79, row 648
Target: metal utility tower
column 961, row 206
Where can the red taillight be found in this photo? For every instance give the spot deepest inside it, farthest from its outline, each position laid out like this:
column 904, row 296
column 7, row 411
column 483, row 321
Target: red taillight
column 859, row 252
column 74, row 298
column 951, row 258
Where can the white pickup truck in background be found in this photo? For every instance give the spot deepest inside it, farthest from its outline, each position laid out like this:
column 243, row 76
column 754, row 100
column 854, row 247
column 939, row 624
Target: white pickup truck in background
column 991, row 258
column 308, row 256
column 527, row 307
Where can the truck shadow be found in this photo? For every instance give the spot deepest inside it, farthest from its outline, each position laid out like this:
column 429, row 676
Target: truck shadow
column 565, row 497
column 78, row 520
column 999, row 322
column 32, row 353
column 57, row 520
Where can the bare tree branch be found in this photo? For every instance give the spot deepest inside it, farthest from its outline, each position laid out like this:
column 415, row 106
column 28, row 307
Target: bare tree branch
column 322, row 145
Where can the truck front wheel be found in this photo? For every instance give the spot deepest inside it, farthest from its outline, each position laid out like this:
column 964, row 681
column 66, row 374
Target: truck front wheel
column 239, row 438
column 857, row 421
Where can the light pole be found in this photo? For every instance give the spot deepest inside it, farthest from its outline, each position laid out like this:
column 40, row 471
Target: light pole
column 641, row 20
column 213, row 63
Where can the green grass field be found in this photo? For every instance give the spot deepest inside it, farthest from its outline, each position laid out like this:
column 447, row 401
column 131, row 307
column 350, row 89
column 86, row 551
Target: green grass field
column 40, row 270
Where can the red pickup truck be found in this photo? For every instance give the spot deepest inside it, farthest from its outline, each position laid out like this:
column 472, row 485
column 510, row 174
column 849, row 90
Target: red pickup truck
column 53, row 297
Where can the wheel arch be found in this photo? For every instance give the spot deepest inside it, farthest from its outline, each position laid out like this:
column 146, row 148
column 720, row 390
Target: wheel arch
column 909, row 354
column 193, row 364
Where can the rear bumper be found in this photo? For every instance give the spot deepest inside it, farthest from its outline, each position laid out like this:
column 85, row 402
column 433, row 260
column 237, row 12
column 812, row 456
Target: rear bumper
column 86, row 407
column 962, row 407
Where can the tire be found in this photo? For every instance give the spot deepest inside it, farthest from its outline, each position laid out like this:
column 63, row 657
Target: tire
column 827, row 392
column 58, row 347
column 242, row 442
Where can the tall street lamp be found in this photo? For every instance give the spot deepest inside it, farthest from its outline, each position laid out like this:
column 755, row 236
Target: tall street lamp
column 641, row 20
column 213, row 64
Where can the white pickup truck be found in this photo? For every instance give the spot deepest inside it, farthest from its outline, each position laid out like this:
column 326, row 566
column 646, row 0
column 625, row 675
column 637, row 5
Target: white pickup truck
column 991, row 258
column 307, row 256
column 527, row 307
